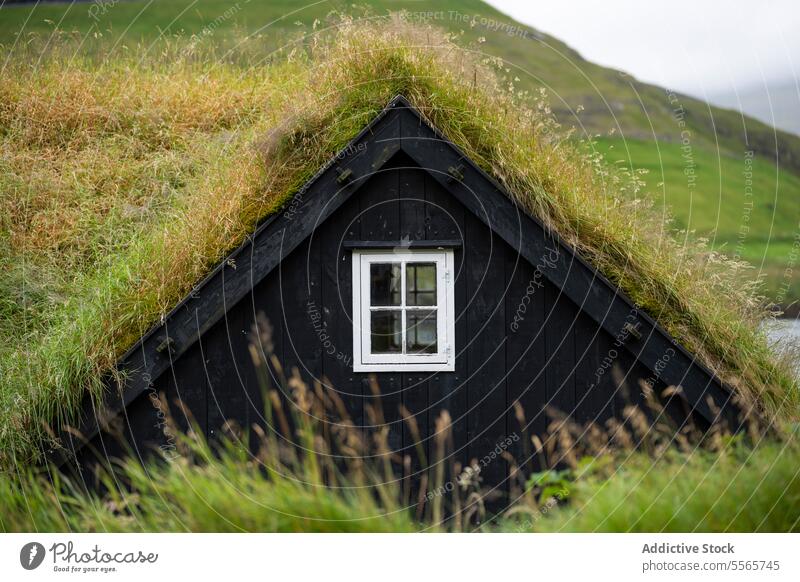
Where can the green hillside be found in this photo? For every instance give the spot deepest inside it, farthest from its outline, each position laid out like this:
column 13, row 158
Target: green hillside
column 699, row 152
column 716, row 203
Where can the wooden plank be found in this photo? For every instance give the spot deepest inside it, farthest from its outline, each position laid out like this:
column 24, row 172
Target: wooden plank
column 240, row 335
column 380, row 220
column 336, row 311
column 185, row 388
column 145, row 429
column 412, row 205
column 300, row 288
column 485, row 261
column 594, row 359
column 560, row 314
column 264, row 327
column 411, row 244
column 227, row 392
column 416, row 386
column 526, row 354
column 416, row 447
column 444, row 217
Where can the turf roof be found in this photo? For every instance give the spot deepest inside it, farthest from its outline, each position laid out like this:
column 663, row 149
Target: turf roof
column 125, row 181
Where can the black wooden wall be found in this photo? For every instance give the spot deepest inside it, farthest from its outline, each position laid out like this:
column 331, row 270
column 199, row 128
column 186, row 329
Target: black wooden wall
column 518, row 339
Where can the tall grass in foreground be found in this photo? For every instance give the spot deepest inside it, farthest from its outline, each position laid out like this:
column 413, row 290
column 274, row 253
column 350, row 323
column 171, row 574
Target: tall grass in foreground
column 224, row 488
column 224, row 492
column 741, row 489
column 310, row 469
column 736, row 489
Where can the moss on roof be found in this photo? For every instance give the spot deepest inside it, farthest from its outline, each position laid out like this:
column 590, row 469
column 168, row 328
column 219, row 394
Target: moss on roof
column 123, row 182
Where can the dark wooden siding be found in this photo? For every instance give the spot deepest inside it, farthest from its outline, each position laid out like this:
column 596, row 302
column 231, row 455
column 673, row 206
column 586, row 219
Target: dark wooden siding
column 518, row 338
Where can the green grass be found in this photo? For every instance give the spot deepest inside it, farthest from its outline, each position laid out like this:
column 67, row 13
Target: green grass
column 739, row 489
column 229, row 494
column 141, row 20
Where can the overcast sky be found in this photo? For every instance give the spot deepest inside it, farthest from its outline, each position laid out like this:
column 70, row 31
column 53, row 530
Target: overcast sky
column 696, row 46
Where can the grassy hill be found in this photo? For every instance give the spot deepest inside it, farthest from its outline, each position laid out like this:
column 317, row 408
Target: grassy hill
column 696, row 155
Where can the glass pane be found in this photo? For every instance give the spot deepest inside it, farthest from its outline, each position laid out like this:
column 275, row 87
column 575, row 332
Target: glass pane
column 420, row 283
column 384, row 284
column 421, row 331
column 387, row 334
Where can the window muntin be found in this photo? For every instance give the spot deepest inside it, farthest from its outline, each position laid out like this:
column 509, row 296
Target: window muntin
column 403, row 310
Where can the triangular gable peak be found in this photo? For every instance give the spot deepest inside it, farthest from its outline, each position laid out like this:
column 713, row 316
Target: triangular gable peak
column 400, row 128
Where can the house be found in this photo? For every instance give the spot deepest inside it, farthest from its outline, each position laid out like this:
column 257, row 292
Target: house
column 403, row 261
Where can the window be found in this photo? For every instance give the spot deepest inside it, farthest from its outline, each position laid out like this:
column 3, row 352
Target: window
column 403, row 311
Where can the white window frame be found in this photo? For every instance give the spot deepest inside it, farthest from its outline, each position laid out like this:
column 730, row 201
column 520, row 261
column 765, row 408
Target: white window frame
column 444, row 359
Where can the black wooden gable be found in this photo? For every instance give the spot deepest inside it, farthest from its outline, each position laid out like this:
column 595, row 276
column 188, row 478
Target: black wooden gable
column 399, row 128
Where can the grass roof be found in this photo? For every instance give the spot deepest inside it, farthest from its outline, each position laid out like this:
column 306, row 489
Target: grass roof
column 124, row 180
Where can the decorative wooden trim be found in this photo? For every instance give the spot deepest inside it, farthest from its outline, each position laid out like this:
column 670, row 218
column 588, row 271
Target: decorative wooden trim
column 414, row 244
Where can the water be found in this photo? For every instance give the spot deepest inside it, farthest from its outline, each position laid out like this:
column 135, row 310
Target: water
column 784, row 335
column 783, row 330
